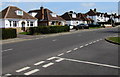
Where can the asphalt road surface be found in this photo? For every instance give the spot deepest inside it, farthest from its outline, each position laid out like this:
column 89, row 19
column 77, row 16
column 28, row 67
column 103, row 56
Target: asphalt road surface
column 81, row 53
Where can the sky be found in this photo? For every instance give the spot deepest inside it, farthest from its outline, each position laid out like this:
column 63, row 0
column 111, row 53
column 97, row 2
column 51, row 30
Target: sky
column 62, row 7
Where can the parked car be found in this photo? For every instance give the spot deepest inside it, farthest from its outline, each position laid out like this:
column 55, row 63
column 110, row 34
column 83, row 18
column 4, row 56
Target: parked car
column 82, row 26
column 94, row 25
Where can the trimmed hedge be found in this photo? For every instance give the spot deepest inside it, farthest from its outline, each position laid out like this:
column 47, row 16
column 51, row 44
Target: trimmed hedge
column 48, row 29
column 8, row 33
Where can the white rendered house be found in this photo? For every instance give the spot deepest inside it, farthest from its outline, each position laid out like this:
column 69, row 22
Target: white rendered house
column 13, row 17
column 72, row 18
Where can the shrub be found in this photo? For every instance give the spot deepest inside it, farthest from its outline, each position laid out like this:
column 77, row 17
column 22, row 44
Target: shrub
column 8, row 33
column 48, row 29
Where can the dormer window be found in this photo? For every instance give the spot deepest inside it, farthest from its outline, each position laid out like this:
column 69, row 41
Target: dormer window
column 73, row 15
column 53, row 14
column 19, row 12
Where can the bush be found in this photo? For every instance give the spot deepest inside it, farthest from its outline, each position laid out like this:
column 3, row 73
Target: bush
column 48, row 29
column 8, row 33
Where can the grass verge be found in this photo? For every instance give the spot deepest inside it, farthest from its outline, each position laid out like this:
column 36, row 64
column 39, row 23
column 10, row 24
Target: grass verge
column 95, row 27
column 115, row 40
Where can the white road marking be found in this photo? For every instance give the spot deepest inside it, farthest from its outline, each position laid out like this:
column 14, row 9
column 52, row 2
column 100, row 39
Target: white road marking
column 51, row 58
column 98, row 40
column 54, row 40
column 86, row 44
column 38, row 63
column 47, row 65
column 75, row 49
column 31, row 72
column 81, row 46
column 61, row 54
column 90, row 43
column 69, row 51
column 22, row 69
column 8, row 74
column 7, row 50
column 94, row 41
column 92, row 63
column 59, row 60
column 37, row 38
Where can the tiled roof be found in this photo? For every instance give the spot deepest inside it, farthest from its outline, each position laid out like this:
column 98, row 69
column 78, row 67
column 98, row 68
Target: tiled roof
column 10, row 12
column 47, row 15
column 68, row 16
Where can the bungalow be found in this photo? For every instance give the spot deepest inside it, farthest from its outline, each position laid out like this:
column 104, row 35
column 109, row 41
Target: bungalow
column 13, row 17
column 46, row 17
column 71, row 18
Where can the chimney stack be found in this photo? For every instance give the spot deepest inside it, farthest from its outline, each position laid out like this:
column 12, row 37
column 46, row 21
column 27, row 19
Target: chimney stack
column 42, row 12
column 95, row 9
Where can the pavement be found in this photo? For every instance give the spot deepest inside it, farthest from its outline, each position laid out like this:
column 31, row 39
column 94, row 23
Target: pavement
column 78, row 53
column 21, row 37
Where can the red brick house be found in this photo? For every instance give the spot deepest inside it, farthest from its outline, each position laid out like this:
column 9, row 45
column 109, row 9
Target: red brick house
column 46, row 17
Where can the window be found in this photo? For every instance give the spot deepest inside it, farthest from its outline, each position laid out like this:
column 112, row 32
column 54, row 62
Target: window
column 53, row 22
column 31, row 23
column 14, row 23
column 27, row 23
column 19, row 12
column 73, row 15
column 10, row 23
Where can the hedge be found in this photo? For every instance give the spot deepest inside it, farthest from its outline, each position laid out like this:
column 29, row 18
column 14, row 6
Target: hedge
column 48, row 29
column 8, row 33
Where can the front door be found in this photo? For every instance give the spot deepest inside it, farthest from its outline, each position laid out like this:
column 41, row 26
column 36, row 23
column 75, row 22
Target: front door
column 23, row 26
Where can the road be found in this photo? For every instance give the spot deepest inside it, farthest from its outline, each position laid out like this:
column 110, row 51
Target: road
column 80, row 53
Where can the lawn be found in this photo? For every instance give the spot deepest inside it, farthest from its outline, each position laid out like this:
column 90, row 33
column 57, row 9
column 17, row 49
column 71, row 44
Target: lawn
column 25, row 33
column 95, row 27
column 114, row 39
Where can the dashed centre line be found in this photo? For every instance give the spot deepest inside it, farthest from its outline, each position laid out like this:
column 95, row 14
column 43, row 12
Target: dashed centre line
column 8, row 74
column 47, row 65
column 54, row 40
column 69, row 51
column 61, row 54
column 75, row 49
column 22, row 69
column 37, row 38
column 86, row 44
column 98, row 40
column 6, row 50
column 38, row 63
column 51, row 58
column 31, row 72
column 94, row 41
column 81, row 46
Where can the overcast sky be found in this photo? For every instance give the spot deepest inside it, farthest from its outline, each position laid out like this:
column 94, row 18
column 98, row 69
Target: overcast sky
column 62, row 7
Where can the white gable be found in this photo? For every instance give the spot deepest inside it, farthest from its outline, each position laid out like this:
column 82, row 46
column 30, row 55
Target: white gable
column 53, row 14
